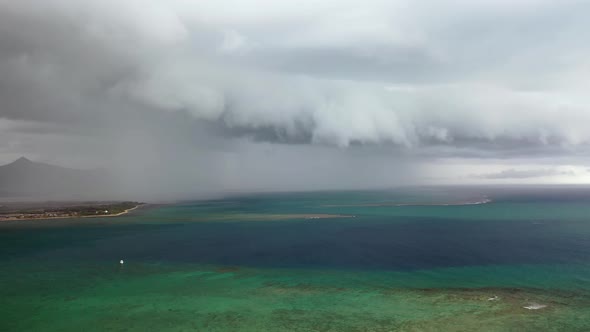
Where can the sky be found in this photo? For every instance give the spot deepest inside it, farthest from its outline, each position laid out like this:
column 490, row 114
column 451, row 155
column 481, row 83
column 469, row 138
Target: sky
column 190, row 97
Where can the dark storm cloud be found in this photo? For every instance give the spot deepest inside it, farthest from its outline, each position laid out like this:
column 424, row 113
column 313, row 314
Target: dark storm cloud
column 133, row 81
column 72, row 62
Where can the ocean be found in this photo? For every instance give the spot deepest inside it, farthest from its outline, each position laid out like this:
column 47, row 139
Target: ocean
column 409, row 259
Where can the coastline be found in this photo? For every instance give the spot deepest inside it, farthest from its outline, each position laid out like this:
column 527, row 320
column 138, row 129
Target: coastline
column 111, row 215
column 124, row 212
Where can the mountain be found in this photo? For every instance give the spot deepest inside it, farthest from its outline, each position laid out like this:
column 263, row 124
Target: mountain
column 28, row 179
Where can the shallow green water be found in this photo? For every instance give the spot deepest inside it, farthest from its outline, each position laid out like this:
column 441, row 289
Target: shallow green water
column 411, row 268
column 154, row 297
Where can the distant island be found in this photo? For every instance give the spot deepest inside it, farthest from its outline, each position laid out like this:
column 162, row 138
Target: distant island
column 55, row 210
column 33, row 190
column 27, row 180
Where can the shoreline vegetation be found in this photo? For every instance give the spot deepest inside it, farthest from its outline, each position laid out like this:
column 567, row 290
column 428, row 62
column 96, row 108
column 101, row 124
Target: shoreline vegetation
column 66, row 210
column 72, row 210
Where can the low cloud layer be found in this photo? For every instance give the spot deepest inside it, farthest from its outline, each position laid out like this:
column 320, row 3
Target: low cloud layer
column 526, row 173
column 209, row 84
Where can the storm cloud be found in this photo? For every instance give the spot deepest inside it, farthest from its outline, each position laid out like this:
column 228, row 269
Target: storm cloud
column 223, row 88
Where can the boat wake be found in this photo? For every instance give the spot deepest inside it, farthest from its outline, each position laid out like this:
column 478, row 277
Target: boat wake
column 535, row 306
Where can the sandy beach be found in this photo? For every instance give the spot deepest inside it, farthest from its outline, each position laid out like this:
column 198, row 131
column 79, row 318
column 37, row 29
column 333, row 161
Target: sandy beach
column 114, row 214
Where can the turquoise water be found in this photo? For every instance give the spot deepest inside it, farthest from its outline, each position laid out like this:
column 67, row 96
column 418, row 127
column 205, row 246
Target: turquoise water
column 258, row 263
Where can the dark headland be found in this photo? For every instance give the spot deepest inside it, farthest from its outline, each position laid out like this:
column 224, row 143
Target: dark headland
column 34, row 190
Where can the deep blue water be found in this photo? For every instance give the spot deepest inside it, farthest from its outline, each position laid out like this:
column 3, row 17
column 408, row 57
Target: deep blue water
column 359, row 243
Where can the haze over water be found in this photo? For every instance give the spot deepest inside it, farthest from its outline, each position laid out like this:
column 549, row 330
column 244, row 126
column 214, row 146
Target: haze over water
column 322, row 261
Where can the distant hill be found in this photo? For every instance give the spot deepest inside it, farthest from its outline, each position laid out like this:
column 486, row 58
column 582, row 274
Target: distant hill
column 27, row 179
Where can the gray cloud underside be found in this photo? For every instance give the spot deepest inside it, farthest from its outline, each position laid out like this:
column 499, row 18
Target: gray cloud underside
column 226, row 88
column 488, row 76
